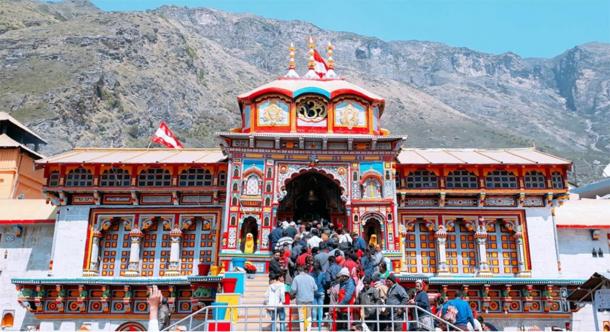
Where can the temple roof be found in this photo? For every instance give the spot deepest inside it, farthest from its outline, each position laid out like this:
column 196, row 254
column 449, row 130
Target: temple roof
column 20, row 129
column 294, row 87
column 584, row 213
column 136, row 156
column 21, row 211
column 7, row 142
column 516, row 156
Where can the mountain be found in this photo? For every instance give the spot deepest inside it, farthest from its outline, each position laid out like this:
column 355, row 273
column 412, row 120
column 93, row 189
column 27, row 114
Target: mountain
column 83, row 77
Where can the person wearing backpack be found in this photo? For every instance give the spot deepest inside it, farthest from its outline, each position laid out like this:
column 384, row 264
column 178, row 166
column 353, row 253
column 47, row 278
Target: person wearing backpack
column 370, row 298
column 274, row 300
column 459, row 309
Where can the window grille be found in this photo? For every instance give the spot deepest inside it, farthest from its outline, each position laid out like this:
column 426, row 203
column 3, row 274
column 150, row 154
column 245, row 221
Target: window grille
column 462, row 179
column 115, row 177
column 557, row 180
column 535, row 180
column 54, row 179
column 195, row 177
column 114, row 249
column 197, row 245
column 501, row 249
column 420, row 250
column 501, row 179
column 154, row 177
column 252, row 185
column 461, row 253
column 422, row 179
column 222, row 178
column 79, row 177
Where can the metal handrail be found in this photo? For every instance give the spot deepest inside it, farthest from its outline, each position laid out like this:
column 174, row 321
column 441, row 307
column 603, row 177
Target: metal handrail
column 385, row 316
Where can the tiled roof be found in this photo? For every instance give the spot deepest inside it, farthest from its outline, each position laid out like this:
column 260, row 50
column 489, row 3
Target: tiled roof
column 26, row 211
column 517, row 156
column 136, row 156
column 584, row 213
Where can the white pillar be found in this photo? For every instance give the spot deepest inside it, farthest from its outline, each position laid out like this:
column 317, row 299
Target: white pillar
column 95, row 255
column 481, row 238
column 174, row 253
column 134, row 253
column 441, row 240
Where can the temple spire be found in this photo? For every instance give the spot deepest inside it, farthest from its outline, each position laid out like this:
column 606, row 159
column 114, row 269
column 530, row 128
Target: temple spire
column 291, row 63
column 311, row 64
column 330, row 62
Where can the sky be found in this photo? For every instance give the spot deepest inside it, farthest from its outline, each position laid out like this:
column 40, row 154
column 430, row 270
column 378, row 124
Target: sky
column 530, row 28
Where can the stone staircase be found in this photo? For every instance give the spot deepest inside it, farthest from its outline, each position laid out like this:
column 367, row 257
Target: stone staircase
column 254, row 294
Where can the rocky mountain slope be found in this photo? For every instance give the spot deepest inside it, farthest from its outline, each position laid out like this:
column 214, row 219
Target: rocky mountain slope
column 82, row 77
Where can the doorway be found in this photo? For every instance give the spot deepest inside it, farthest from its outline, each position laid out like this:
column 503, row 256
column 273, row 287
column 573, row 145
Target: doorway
column 248, row 226
column 372, row 226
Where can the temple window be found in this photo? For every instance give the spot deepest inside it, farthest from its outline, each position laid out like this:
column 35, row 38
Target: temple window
column 397, row 180
column 195, row 177
column 422, row 179
column 154, row 177
column 535, row 180
column 155, row 253
column 501, row 179
column 54, row 179
column 80, row 177
column 461, row 253
column 311, row 109
column 462, row 179
column 114, row 250
column 8, row 319
column 222, row 178
column 115, row 177
column 371, row 189
column 501, row 249
column 252, row 185
column 197, row 245
column 420, row 250
column 557, row 180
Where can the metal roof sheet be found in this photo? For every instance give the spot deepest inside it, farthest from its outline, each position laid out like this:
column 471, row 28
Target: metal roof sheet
column 136, row 156
column 517, row 156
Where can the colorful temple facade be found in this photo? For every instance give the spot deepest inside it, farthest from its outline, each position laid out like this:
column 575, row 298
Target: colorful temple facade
column 307, row 148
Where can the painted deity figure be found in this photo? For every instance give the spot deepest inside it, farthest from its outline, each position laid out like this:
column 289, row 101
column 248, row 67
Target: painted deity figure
column 249, row 245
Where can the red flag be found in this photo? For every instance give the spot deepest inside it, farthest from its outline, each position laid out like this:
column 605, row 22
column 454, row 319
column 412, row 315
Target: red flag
column 165, row 136
column 320, row 64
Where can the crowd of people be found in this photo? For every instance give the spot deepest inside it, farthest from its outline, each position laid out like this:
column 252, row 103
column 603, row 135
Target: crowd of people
column 317, row 263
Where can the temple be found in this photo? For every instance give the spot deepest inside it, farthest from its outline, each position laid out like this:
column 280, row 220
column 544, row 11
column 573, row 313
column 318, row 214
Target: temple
column 307, row 148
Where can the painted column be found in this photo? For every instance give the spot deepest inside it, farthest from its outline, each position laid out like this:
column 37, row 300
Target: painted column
column 521, row 253
column 441, row 240
column 174, row 253
column 134, row 252
column 481, row 238
column 95, row 254
column 403, row 245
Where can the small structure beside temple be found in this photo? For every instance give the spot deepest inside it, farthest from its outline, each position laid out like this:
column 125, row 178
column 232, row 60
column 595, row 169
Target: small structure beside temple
column 307, row 148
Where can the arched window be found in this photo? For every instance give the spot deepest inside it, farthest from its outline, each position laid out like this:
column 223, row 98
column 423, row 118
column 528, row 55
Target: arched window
column 461, row 253
column 557, row 180
column 501, row 179
column 80, row 177
column 222, row 178
column 8, row 320
column 54, row 179
column 115, row 177
column 195, row 177
column 535, row 180
column 501, row 249
column 462, row 179
column 420, row 250
column 154, row 177
column 252, row 185
column 422, row 179
column 371, row 189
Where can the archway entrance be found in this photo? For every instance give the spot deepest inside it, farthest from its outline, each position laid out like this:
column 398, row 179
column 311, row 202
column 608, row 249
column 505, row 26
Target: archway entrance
column 372, row 226
column 249, row 226
column 312, row 196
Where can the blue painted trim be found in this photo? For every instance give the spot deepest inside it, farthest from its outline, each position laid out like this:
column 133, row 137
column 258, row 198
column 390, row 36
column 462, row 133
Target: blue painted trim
column 311, row 89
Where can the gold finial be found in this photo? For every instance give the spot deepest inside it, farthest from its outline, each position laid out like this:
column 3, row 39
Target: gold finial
column 291, row 62
column 311, row 64
column 329, row 56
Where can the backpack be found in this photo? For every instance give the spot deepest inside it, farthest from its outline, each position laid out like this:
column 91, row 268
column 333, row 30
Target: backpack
column 451, row 314
column 370, row 297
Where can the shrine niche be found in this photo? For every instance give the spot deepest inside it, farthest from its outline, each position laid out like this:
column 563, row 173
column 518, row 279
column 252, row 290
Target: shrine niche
column 312, row 111
column 249, row 235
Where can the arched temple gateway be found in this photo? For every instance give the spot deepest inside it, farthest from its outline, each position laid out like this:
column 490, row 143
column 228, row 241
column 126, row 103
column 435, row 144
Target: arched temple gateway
column 307, row 148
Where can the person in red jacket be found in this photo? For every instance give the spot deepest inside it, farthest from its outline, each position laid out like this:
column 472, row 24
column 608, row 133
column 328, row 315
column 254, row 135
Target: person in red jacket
column 347, row 296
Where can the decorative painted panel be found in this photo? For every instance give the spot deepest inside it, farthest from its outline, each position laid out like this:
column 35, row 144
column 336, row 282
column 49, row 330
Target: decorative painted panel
column 501, row 250
column 461, row 255
column 246, row 115
column 421, row 250
column 114, row 249
column 197, row 242
column 350, row 114
column 371, row 166
column 273, row 112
